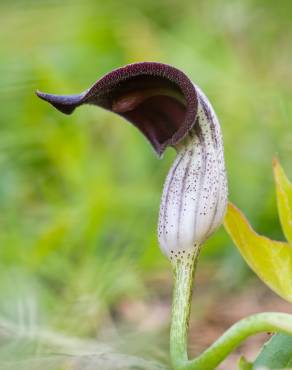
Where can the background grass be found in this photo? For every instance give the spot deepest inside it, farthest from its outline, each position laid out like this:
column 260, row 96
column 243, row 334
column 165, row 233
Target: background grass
column 79, row 195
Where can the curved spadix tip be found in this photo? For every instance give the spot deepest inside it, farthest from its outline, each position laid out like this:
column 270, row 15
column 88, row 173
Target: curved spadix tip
column 64, row 103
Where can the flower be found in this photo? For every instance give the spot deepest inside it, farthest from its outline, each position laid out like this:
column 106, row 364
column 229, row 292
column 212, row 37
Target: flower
column 169, row 110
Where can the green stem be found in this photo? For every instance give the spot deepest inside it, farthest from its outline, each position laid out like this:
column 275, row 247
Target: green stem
column 218, row 351
column 184, row 269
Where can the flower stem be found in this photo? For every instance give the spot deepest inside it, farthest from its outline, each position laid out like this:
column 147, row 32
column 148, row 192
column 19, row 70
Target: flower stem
column 184, row 269
column 217, row 352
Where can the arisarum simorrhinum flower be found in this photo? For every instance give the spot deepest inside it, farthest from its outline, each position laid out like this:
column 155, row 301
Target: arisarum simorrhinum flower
column 169, row 110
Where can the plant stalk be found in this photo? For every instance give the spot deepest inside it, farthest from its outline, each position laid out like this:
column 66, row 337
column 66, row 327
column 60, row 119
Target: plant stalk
column 254, row 324
column 184, row 269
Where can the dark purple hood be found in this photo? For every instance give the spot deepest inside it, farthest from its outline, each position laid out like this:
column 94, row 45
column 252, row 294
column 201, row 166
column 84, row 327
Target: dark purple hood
column 158, row 99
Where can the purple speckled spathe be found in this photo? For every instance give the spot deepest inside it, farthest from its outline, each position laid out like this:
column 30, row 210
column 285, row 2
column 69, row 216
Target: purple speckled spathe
column 165, row 100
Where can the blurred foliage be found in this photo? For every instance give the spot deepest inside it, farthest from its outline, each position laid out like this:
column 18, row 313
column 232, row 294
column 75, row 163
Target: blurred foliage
column 79, row 195
column 284, row 199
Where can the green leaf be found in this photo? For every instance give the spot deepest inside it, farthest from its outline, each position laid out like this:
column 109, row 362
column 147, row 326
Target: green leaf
column 243, row 364
column 276, row 353
column 284, row 199
column 270, row 260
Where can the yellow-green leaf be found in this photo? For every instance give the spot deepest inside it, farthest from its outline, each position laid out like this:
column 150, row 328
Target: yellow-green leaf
column 284, row 199
column 270, row 260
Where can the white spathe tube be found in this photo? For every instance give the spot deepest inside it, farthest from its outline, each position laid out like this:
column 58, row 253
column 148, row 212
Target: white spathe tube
column 195, row 192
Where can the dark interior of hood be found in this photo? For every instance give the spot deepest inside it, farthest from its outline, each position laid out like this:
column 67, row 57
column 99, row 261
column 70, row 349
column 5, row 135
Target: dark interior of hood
column 156, row 106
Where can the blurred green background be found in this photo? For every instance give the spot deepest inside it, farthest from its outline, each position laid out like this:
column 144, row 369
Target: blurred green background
column 79, row 195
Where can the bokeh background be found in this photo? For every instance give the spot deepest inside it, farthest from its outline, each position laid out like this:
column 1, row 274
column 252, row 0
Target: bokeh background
column 79, row 195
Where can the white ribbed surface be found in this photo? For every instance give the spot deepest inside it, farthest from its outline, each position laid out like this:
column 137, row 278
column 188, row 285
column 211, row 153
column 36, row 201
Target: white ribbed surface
column 195, row 191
